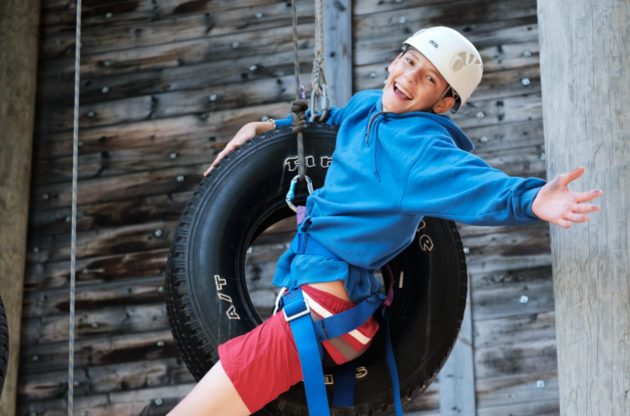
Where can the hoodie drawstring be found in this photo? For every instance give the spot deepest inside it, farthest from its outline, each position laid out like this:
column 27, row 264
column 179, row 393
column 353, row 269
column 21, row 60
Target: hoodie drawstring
column 367, row 140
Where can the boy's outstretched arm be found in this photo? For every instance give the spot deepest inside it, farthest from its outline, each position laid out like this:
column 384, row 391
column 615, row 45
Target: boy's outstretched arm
column 557, row 204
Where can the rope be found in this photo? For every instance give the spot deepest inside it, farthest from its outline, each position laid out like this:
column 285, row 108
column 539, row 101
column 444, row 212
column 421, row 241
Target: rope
column 73, row 238
column 318, row 81
column 299, row 105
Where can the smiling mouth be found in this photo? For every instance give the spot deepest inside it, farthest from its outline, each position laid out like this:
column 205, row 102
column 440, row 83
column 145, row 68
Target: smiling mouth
column 401, row 92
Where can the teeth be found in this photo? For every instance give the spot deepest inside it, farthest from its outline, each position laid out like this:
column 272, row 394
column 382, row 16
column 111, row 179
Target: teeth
column 403, row 91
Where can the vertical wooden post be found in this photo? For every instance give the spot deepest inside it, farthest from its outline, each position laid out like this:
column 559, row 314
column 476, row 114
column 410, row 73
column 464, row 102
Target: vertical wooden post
column 19, row 21
column 338, row 50
column 457, row 377
column 585, row 74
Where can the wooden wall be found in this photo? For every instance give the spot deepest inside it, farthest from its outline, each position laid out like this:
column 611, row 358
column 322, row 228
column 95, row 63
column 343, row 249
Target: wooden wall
column 164, row 84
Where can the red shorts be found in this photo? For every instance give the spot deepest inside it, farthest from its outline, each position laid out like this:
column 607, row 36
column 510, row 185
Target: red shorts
column 264, row 363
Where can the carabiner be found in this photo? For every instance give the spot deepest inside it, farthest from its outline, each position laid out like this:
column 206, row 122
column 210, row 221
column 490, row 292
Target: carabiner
column 291, row 193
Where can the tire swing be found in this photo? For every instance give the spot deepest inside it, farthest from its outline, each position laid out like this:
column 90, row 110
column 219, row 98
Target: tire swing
column 206, row 279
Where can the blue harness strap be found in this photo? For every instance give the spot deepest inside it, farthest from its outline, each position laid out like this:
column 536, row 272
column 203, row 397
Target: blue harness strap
column 308, row 335
column 297, row 312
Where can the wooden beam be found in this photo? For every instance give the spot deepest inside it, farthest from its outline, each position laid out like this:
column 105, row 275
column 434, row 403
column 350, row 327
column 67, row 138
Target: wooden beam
column 19, row 21
column 338, row 50
column 457, row 378
column 585, row 57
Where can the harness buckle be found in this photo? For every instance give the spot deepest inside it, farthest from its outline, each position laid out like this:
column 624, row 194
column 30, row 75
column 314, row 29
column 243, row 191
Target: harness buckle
column 306, row 311
column 297, row 309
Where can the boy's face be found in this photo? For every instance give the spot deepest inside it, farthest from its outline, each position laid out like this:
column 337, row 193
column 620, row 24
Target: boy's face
column 414, row 84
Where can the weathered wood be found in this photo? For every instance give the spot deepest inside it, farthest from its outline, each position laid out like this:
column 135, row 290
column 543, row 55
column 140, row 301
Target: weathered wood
column 213, row 126
column 514, row 330
column 457, row 14
column 584, row 58
column 19, row 22
column 113, row 35
column 513, row 299
column 170, row 104
column 62, row 13
column 457, row 377
column 50, row 302
column 99, row 350
column 155, row 400
column 338, row 50
column 516, row 388
column 105, row 320
column 97, row 269
column 529, row 357
column 525, row 408
column 109, row 378
column 103, row 87
column 493, row 37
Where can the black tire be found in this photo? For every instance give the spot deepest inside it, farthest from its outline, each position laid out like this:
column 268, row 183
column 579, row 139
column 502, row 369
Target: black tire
column 4, row 345
column 243, row 196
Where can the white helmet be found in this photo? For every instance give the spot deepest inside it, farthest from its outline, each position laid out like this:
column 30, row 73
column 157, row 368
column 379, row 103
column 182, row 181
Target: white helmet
column 453, row 55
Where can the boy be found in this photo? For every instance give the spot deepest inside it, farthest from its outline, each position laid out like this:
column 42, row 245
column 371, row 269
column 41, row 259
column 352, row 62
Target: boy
column 396, row 160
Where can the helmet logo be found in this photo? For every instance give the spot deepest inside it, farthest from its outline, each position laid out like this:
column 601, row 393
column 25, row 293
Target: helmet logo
column 434, row 44
column 462, row 59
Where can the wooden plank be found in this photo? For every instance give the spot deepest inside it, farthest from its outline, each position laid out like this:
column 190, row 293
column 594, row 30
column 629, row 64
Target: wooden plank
column 534, row 356
column 457, row 377
column 527, row 408
column 514, row 330
column 180, row 54
column 97, row 269
column 585, row 125
column 457, row 14
column 527, row 297
column 172, row 104
column 338, row 50
column 108, row 321
column 133, row 292
column 108, row 378
column 19, row 21
column 134, row 211
column 111, row 35
column 99, row 350
column 154, row 400
column 60, row 13
column 120, row 84
column 516, row 388
column 208, row 127
column 490, row 38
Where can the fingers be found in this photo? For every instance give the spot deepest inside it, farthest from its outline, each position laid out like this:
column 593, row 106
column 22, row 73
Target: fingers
column 564, row 223
column 576, row 218
column 585, row 208
column 588, row 195
column 571, row 176
column 230, row 147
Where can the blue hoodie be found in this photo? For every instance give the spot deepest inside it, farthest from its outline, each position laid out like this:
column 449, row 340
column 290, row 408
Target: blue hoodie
column 388, row 171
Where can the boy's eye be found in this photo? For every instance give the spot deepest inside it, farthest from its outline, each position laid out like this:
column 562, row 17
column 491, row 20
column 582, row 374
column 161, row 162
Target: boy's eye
column 409, row 61
column 430, row 78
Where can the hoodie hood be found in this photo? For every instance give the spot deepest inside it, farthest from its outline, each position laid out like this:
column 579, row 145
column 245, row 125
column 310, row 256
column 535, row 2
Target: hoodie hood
column 460, row 138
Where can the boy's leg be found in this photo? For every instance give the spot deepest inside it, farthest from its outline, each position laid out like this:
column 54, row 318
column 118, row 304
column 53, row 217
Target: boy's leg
column 213, row 395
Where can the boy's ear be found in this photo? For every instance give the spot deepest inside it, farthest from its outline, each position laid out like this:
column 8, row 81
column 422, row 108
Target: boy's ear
column 445, row 104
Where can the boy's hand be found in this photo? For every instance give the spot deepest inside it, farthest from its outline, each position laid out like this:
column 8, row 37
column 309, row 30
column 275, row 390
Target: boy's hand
column 245, row 134
column 556, row 204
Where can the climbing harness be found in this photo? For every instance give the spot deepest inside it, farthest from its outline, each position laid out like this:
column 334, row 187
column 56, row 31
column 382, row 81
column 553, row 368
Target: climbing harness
column 309, row 334
column 73, row 227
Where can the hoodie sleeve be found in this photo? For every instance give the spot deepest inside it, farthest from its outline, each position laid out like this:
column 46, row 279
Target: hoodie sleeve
column 450, row 183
